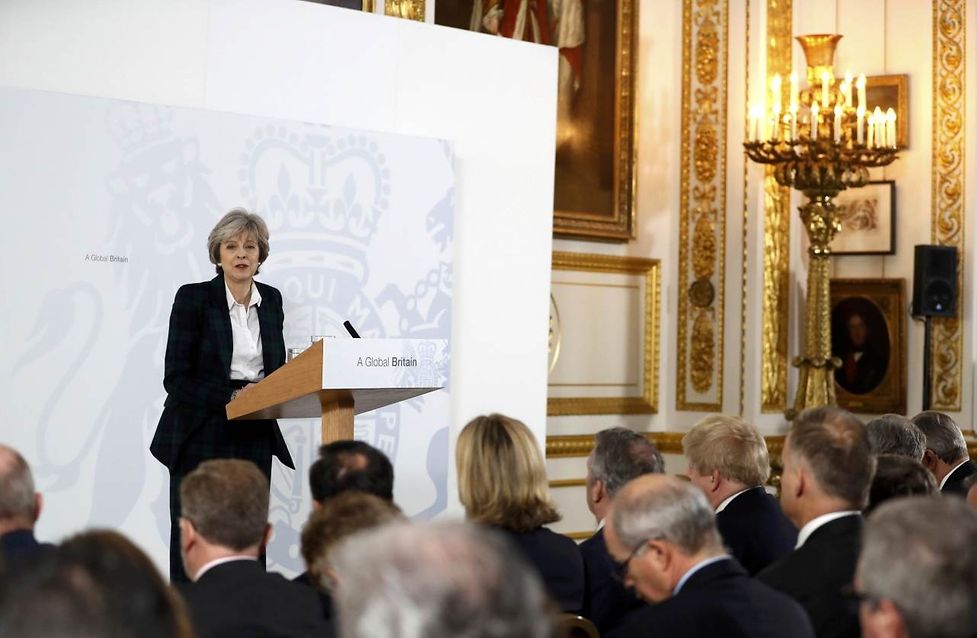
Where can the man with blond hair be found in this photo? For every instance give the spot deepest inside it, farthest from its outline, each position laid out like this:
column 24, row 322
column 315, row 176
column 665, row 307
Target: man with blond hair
column 223, row 528
column 728, row 459
column 662, row 532
column 828, row 469
column 20, row 506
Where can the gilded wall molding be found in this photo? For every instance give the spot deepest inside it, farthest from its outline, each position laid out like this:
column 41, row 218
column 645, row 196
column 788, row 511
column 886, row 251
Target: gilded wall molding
column 702, row 226
column 650, row 269
column 949, row 92
column 776, row 231
column 409, row 9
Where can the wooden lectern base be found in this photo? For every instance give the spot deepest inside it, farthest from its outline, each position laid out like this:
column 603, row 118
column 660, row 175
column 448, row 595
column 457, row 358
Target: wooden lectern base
column 337, row 420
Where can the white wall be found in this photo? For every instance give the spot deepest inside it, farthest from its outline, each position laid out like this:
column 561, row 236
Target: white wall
column 301, row 61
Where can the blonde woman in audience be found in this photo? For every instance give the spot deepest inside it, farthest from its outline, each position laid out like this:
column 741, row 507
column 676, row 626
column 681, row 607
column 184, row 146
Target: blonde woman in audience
column 502, row 484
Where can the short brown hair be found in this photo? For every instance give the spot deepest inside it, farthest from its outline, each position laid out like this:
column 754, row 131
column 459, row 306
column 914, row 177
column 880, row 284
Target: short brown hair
column 502, row 476
column 226, row 500
column 340, row 517
column 235, row 222
column 730, row 446
column 834, row 444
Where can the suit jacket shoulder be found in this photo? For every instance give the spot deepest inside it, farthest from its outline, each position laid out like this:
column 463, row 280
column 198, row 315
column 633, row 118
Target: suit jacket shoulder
column 816, row 574
column 720, row 600
column 558, row 561
column 954, row 483
column 606, row 600
column 755, row 530
column 241, row 599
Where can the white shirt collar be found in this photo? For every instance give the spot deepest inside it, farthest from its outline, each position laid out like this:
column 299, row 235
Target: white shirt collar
column 703, row 563
column 819, row 521
column 219, row 561
column 255, row 299
column 945, row 478
column 729, row 499
column 600, row 524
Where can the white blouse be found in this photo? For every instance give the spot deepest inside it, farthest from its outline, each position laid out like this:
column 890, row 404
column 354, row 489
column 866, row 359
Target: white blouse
column 246, row 361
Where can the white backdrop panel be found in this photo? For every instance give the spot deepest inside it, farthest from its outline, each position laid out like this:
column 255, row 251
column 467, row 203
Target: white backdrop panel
column 113, row 202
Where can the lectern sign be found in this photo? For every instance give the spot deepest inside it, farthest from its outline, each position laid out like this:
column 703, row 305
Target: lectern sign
column 384, row 363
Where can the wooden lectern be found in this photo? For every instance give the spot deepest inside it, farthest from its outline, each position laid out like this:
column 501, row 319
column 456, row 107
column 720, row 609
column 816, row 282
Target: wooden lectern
column 298, row 390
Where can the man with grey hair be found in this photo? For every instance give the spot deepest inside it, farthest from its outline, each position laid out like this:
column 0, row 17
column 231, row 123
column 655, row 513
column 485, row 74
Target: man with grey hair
column 20, row 507
column 619, row 456
column 728, row 459
column 895, row 434
column 917, row 573
column 946, row 453
column 663, row 534
column 828, row 468
column 437, row 580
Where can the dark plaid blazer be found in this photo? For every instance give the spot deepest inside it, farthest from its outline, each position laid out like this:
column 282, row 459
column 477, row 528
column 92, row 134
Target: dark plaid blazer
column 197, row 369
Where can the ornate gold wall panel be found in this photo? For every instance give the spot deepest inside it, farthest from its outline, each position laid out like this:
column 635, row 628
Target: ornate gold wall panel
column 776, row 230
column 949, row 73
column 410, row 9
column 702, row 230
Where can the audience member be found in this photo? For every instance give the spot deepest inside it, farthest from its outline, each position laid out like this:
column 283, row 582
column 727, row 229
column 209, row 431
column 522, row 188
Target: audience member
column 224, row 525
column 619, row 455
column 895, row 434
column 970, row 485
column 350, row 465
column 337, row 519
column 917, row 574
column 728, row 459
column 437, row 580
column 20, row 506
column 502, row 483
column 663, row 533
column 828, row 468
column 946, row 453
column 95, row 584
column 897, row 476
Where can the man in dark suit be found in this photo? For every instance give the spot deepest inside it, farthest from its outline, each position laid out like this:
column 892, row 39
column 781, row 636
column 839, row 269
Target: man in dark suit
column 619, row 456
column 728, row 459
column 663, row 533
column 828, row 468
column 946, row 453
column 20, row 507
column 223, row 527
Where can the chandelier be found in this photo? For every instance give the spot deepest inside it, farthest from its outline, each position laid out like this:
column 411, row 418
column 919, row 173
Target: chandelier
column 822, row 143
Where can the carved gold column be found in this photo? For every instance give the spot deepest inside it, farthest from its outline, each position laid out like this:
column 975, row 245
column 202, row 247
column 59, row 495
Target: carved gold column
column 776, row 231
column 702, row 228
column 949, row 91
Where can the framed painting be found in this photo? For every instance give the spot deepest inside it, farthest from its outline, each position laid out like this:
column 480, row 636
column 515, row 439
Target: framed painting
column 868, row 220
column 868, row 338
column 595, row 137
column 891, row 91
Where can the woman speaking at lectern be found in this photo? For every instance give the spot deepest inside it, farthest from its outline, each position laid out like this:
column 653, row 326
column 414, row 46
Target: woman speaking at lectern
column 225, row 334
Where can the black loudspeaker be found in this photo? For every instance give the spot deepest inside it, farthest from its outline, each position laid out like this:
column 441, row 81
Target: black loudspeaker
column 935, row 281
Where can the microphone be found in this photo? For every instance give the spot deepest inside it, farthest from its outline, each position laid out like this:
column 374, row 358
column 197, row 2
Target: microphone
column 351, row 330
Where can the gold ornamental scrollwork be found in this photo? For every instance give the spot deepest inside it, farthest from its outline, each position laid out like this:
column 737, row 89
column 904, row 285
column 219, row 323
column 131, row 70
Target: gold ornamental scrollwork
column 949, row 91
column 776, row 231
column 408, row 9
column 702, row 228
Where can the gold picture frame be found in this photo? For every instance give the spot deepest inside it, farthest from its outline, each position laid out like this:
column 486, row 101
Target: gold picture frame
column 891, row 91
column 641, row 278
column 868, row 338
column 594, row 181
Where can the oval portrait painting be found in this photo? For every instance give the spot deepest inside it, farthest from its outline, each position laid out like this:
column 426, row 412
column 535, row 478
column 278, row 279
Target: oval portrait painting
column 860, row 338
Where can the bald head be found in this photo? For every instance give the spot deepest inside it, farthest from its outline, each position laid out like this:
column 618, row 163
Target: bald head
column 667, row 508
column 19, row 503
